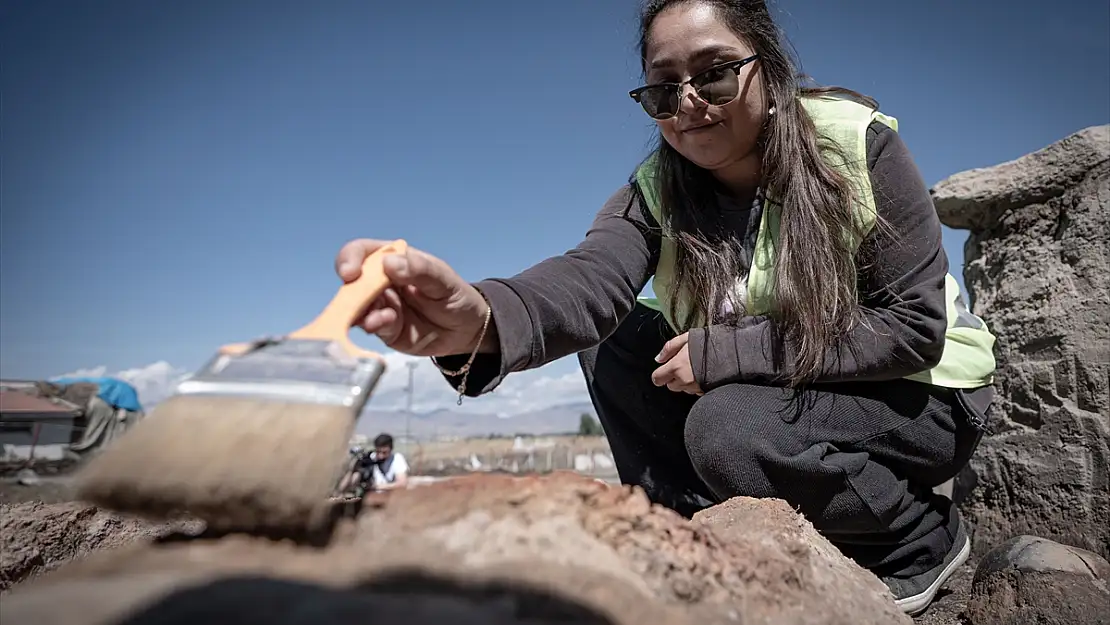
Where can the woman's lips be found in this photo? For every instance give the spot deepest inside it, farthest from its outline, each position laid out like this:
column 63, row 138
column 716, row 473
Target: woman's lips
column 702, row 128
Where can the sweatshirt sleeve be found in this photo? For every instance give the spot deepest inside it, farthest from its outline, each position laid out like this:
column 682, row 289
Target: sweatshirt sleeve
column 570, row 302
column 901, row 290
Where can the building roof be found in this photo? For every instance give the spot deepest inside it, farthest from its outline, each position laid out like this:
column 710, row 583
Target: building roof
column 16, row 404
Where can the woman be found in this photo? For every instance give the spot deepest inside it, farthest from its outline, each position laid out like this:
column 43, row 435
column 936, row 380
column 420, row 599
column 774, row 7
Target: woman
column 807, row 342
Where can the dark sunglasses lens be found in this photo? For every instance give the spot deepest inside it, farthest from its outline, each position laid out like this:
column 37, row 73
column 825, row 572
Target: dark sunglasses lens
column 659, row 102
column 718, row 86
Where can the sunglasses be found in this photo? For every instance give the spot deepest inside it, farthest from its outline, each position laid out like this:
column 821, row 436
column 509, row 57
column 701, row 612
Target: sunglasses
column 716, row 86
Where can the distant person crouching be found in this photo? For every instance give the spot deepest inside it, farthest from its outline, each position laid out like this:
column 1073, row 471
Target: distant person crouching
column 380, row 470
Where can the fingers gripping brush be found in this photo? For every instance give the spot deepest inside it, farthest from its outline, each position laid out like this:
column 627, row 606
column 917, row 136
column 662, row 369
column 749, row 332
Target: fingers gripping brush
column 257, row 439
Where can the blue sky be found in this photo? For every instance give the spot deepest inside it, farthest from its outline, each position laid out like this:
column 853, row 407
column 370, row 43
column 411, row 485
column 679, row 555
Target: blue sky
column 180, row 174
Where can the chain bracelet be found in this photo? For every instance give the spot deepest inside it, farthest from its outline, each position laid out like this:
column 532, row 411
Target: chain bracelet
column 464, row 370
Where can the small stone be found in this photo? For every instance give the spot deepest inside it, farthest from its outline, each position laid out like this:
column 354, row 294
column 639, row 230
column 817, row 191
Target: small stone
column 1034, row 580
column 27, row 477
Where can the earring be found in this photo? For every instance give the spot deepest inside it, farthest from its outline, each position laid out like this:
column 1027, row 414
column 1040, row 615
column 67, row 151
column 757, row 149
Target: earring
column 771, row 111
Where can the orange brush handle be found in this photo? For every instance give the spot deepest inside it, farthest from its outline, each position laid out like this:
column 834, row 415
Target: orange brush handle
column 334, row 323
column 350, row 302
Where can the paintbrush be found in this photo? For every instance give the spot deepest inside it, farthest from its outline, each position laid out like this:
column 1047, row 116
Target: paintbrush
column 257, row 439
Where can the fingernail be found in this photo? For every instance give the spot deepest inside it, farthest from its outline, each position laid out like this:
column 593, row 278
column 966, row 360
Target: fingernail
column 659, row 357
column 346, row 268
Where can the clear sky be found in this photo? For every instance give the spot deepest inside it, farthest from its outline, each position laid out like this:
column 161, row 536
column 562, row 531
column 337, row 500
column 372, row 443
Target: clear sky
column 177, row 175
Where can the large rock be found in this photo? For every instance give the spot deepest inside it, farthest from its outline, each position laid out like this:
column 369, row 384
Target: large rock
column 1037, row 269
column 1032, row 580
column 485, row 549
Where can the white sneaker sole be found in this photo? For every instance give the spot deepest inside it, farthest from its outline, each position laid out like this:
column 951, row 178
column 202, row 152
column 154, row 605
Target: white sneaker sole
column 915, row 604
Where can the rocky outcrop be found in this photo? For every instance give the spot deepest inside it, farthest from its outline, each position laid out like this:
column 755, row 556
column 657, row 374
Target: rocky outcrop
column 483, row 549
column 1032, row 580
column 1037, row 266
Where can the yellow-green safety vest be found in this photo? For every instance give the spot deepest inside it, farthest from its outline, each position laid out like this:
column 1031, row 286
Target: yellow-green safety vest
column 968, row 357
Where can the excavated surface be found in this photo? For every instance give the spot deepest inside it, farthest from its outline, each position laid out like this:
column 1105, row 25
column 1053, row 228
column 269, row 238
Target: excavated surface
column 489, row 549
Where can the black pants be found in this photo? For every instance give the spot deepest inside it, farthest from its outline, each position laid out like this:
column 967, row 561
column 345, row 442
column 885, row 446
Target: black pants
column 859, row 460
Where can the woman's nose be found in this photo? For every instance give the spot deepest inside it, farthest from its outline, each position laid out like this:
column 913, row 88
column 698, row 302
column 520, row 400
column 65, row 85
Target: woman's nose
column 688, row 99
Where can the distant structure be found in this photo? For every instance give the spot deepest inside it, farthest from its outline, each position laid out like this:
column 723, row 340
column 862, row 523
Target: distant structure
column 35, row 426
column 47, row 420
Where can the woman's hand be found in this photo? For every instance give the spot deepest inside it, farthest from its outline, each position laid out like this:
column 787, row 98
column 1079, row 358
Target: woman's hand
column 428, row 310
column 676, row 373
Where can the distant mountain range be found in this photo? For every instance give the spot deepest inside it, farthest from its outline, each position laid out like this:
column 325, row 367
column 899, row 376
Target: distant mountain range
column 447, row 423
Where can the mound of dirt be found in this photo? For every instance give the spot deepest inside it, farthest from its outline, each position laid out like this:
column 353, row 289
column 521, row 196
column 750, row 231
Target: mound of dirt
column 483, row 549
column 37, row 537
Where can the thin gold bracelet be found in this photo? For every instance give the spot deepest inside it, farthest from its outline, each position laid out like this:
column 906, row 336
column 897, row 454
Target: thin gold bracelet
column 464, row 371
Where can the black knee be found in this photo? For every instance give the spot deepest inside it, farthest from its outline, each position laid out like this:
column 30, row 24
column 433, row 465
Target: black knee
column 727, row 445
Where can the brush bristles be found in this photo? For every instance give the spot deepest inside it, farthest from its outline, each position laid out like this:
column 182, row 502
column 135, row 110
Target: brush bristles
column 235, row 463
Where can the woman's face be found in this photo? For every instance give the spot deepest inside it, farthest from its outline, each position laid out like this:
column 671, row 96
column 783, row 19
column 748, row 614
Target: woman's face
column 689, row 39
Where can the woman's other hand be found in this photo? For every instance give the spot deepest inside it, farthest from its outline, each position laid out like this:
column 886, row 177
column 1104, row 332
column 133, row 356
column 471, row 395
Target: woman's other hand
column 676, row 371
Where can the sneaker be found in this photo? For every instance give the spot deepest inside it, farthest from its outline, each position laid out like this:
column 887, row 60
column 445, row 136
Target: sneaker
column 913, row 594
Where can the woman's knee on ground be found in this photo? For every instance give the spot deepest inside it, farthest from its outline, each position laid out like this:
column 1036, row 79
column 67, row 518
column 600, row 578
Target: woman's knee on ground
column 730, row 441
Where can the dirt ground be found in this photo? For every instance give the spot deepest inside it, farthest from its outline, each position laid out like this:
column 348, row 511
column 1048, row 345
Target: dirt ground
column 37, row 539
column 949, row 607
column 48, row 490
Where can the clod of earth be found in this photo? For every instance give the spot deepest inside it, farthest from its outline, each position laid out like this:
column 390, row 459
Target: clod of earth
column 484, row 549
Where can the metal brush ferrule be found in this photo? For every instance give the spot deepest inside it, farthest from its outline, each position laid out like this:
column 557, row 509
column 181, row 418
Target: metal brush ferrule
column 291, row 370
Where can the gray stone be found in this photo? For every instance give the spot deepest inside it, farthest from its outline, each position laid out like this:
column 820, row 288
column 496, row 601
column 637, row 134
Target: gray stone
column 977, row 198
column 1034, row 580
column 1037, row 269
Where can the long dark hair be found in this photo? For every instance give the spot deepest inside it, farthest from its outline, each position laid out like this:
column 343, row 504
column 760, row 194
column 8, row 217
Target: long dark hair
column 815, row 275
